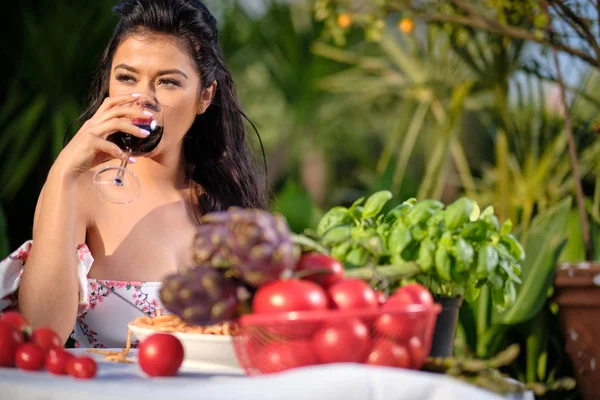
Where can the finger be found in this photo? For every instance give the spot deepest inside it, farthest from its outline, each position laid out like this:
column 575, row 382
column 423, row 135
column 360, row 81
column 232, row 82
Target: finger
column 125, row 112
column 113, row 101
column 102, row 145
column 118, row 125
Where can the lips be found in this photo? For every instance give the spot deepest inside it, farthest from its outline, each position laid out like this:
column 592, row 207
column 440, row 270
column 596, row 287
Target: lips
column 141, row 121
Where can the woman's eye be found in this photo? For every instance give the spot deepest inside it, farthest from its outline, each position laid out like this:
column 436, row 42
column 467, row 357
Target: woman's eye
column 126, row 78
column 169, row 82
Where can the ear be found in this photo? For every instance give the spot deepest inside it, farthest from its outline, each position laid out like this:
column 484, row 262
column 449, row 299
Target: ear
column 206, row 97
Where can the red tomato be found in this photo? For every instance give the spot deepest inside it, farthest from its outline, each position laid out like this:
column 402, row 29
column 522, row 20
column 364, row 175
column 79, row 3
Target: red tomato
column 46, row 338
column 82, row 367
column 279, row 356
column 29, row 357
column 343, row 341
column 417, row 353
column 388, row 353
column 16, row 320
column 398, row 324
column 289, row 295
column 160, row 354
column 352, row 294
column 326, row 270
column 57, row 361
column 10, row 339
column 417, row 293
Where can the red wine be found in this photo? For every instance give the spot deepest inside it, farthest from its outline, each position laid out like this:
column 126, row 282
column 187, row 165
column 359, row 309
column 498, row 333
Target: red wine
column 136, row 144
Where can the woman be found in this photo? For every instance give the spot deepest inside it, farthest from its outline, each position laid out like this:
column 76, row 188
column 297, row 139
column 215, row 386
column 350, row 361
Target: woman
column 162, row 63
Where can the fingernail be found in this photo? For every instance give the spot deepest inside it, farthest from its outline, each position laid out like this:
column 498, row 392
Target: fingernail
column 148, row 113
column 136, row 95
column 144, row 132
column 131, row 160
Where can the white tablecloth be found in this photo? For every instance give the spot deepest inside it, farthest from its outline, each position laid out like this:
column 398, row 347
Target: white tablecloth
column 327, row 382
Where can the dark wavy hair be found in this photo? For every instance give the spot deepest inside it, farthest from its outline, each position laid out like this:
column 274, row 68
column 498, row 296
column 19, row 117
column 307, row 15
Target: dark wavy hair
column 220, row 167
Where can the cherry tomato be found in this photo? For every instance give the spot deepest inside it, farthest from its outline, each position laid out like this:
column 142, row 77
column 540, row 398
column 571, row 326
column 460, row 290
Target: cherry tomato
column 57, row 361
column 290, row 295
column 388, row 353
column 279, row 356
column 46, row 338
column 160, row 354
column 352, row 294
column 82, row 367
column 17, row 321
column 29, row 357
column 326, row 270
column 417, row 353
column 417, row 293
column 10, row 339
column 343, row 341
column 404, row 325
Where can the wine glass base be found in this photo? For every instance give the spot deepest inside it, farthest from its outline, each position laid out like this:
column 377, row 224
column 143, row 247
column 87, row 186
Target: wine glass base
column 117, row 185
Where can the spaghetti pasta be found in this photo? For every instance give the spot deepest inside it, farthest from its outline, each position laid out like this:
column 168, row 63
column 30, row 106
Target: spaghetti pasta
column 170, row 323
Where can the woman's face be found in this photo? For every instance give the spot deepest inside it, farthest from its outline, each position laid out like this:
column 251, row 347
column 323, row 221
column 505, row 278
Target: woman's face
column 162, row 71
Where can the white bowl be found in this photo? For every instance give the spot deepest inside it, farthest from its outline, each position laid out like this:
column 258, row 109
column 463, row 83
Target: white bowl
column 198, row 348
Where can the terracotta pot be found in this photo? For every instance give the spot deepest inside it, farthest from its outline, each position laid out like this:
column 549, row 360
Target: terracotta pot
column 442, row 344
column 578, row 296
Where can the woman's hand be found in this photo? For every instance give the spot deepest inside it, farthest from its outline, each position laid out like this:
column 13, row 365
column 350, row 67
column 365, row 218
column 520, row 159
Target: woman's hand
column 89, row 146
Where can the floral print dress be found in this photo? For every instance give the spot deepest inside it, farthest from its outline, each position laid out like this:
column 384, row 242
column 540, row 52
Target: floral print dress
column 102, row 315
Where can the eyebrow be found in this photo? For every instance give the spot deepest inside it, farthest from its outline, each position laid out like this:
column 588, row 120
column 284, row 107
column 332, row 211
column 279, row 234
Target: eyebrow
column 160, row 73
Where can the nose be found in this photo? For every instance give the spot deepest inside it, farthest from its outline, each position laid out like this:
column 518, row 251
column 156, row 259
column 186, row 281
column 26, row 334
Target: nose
column 149, row 102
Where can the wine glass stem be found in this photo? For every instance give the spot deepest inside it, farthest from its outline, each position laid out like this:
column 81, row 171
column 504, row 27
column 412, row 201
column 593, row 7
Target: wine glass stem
column 118, row 180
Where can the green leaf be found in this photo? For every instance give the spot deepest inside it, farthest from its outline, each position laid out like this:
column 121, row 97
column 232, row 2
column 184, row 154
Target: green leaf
column 506, row 227
column 487, row 260
column 545, row 241
column 357, row 257
column 463, row 253
column 514, row 247
column 425, row 259
column 458, row 213
column 443, row 263
column 475, row 231
column 336, row 235
column 399, row 238
column 336, row 216
column 375, row 203
column 422, row 211
column 341, row 250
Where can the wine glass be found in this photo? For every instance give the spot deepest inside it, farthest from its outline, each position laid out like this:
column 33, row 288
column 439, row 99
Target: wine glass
column 119, row 184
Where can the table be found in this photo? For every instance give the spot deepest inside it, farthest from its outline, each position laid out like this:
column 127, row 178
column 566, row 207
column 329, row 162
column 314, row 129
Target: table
column 334, row 381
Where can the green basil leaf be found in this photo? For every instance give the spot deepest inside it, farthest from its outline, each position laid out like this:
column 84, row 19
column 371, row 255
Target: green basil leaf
column 356, row 257
column 472, row 292
column 514, row 247
column 336, row 235
column 398, row 238
column 464, row 254
column 475, row 231
column 442, row 263
column 487, row 261
column 506, row 227
column 340, row 251
column 422, row 211
column 426, row 253
column 458, row 213
column 374, row 244
column 375, row 203
column 333, row 217
column 498, row 296
column 397, row 212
